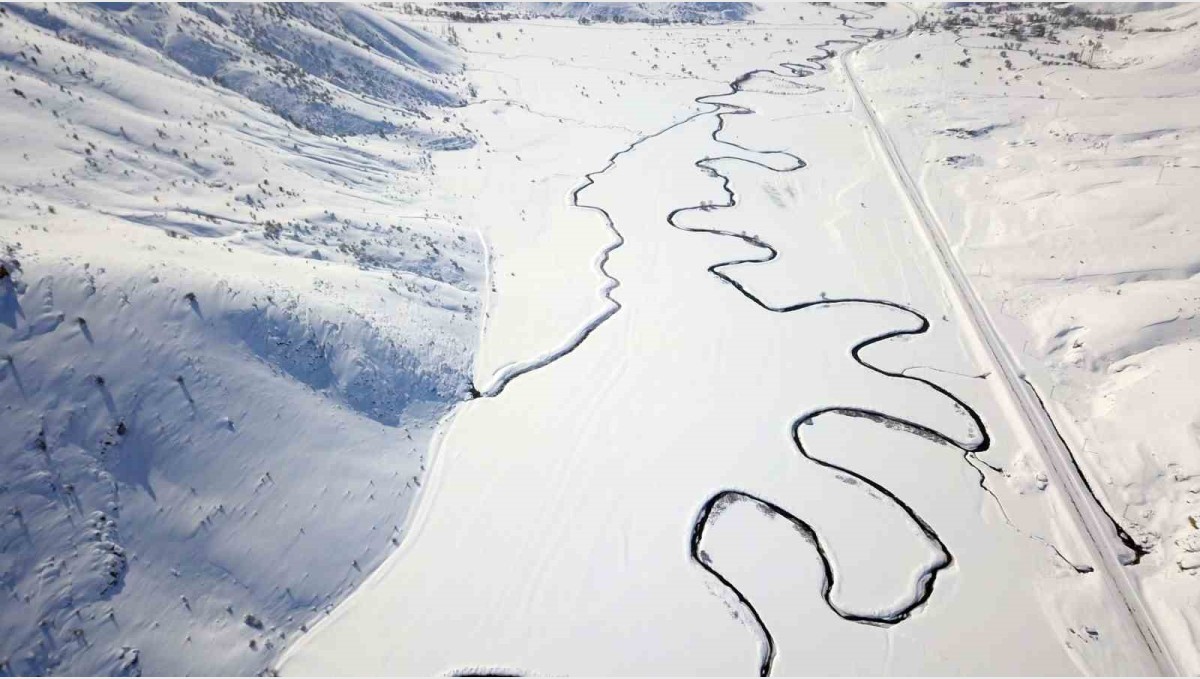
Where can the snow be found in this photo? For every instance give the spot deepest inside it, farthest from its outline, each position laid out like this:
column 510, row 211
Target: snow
column 227, row 339
column 671, row 389
column 593, row 338
column 588, row 12
column 1077, row 229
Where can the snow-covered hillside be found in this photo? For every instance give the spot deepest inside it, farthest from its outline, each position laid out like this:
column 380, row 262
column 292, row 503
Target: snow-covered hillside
column 588, row 12
column 1062, row 153
column 227, row 327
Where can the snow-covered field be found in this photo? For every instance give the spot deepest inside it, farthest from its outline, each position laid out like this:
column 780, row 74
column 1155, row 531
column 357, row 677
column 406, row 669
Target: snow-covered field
column 1070, row 196
column 721, row 339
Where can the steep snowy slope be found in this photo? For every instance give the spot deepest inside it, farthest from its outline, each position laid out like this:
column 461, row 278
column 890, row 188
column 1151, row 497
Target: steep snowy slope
column 227, row 330
column 333, row 69
column 1063, row 163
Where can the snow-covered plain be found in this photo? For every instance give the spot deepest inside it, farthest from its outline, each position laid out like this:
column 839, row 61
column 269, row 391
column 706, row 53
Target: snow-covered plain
column 742, row 458
column 1070, row 195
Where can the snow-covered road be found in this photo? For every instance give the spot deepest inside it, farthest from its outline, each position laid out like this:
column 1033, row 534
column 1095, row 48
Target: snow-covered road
column 765, row 449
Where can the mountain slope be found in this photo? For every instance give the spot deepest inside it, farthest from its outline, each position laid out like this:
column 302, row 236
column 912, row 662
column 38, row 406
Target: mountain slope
column 226, row 330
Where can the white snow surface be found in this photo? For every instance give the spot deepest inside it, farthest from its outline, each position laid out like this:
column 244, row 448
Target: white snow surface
column 1077, row 225
column 588, row 12
column 635, row 12
column 621, row 411
column 227, row 331
column 648, row 325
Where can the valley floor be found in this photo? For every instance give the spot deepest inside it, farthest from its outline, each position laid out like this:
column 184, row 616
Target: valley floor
column 779, row 425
